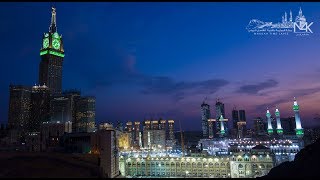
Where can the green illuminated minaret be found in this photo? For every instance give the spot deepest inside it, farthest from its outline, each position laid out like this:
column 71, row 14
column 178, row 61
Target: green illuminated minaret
column 299, row 129
column 52, row 54
column 279, row 128
column 270, row 129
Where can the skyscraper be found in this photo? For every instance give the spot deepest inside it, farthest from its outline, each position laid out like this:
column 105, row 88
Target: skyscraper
column 40, row 109
column 242, row 115
column 258, row 126
column 299, row 129
column 235, row 118
column 19, row 108
column 171, row 129
column 85, row 115
column 210, row 128
column 205, row 115
column 52, row 54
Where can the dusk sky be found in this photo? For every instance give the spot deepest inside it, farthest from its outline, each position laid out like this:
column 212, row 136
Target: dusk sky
column 143, row 60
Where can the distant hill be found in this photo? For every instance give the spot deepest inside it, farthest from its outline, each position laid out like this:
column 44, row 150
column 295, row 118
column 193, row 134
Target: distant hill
column 305, row 164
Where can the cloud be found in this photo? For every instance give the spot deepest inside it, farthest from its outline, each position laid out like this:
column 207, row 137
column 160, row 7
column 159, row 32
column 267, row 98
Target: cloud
column 288, row 97
column 255, row 88
column 181, row 89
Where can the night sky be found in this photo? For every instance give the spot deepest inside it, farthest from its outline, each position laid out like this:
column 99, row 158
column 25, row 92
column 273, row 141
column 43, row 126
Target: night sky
column 144, row 60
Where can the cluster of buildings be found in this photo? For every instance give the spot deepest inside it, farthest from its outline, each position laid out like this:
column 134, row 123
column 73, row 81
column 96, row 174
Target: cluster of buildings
column 43, row 118
column 219, row 127
column 154, row 134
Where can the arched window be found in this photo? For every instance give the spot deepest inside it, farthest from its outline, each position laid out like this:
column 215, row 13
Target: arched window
column 216, row 164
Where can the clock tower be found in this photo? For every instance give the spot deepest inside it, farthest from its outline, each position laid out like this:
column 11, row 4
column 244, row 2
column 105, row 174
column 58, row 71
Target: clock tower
column 52, row 54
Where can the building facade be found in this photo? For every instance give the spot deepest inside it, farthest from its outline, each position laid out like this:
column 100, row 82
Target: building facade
column 205, row 115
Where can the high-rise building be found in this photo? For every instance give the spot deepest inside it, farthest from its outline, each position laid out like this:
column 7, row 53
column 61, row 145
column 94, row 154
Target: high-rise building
column 299, row 129
column 106, row 142
column 242, row 115
column 235, row 118
column 220, row 111
column 136, row 133
column 155, row 124
column 129, row 126
column 288, row 125
column 146, row 125
column 19, row 107
column 205, row 115
column 40, row 107
column 162, row 124
column 60, row 109
column 171, row 129
column 52, row 54
column 85, row 115
column 210, row 128
column 258, row 126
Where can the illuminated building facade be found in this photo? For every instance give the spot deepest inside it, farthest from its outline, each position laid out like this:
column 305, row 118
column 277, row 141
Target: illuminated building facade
column 105, row 141
column 19, row 109
column 299, row 129
column 40, row 107
column 155, row 124
column 241, row 130
column 85, row 115
column 129, row 126
column 136, row 133
column 199, row 166
column 211, row 123
column 146, row 125
column 154, row 139
column 163, row 124
column 52, row 54
column 171, row 130
column 205, row 115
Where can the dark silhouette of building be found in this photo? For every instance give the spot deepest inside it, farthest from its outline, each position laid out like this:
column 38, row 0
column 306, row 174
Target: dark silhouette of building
column 85, row 115
column 242, row 115
column 40, row 107
column 235, row 118
column 288, row 125
column 259, row 126
column 19, row 108
column 52, row 54
column 205, row 115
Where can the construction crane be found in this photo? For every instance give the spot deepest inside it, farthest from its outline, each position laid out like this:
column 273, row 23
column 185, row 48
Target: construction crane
column 182, row 141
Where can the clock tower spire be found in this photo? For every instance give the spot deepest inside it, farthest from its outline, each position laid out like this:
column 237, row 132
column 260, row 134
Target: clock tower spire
column 52, row 54
column 53, row 25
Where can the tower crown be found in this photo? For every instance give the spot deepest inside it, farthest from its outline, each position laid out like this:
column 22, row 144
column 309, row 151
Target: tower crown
column 268, row 113
column 295, row 106
column 277, row 113
column 53, row 25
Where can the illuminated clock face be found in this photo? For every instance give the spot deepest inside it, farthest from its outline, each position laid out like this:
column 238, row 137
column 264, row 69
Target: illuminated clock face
column 56, row 35
column 45, row 43
column 56, row 44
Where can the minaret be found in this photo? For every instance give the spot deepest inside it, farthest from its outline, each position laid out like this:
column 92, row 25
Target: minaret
column 270, row 129
column 300, row 12
column 53, row 25
column 295, row 107
column 290, row 16
column 279, row 128
column 285, row 17
column 222, row 128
